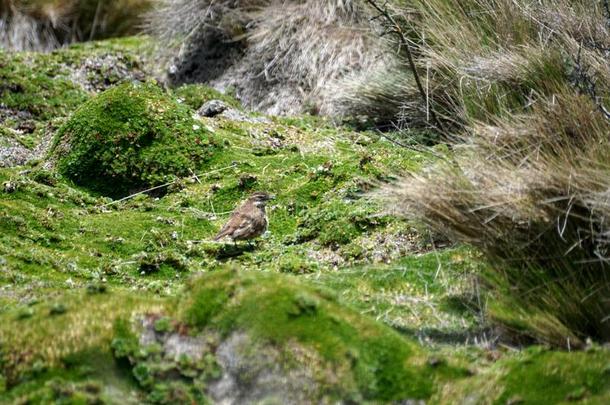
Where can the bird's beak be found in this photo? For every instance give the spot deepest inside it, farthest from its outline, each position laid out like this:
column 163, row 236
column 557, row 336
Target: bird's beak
column 272, row 197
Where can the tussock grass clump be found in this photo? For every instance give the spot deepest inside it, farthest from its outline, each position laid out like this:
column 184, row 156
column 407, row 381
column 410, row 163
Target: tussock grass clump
column 525, row 92
column 384, row 99
column 280, row 57
column 47, row 24
column 537, row 213
column 476, row 59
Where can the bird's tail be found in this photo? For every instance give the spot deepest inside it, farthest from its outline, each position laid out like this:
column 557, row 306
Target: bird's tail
column 220, row 235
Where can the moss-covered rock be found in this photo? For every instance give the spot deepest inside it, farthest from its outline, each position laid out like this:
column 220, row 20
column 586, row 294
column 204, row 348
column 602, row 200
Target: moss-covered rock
column 251, row 334
column 39, row 90
column 248, row 337
column 340, row 353
column 61, row 349
column 130, row 137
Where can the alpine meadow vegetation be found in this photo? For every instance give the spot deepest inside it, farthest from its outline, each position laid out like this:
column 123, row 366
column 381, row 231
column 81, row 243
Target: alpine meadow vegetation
column 438, row 233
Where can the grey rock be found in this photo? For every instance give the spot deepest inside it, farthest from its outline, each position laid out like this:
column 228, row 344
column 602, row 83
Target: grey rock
column 174, row 344
column 14, row 155
column 218, row 108
column 98, row 73
column 212, row 108
column 254, row 374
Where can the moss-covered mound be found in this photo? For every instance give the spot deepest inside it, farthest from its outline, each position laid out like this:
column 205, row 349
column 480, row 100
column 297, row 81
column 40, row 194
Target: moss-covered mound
column 538, row 376
column 58, row 350
column 130, row 137
column 364, row 359
column 268, row 337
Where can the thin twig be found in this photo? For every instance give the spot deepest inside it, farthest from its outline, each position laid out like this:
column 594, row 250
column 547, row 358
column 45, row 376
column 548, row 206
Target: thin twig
column 95, row 20
column 167, row 184
column 195, row 176
column 404, row 42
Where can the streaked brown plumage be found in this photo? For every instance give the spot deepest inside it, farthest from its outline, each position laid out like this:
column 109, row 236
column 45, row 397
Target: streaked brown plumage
column 247, row 222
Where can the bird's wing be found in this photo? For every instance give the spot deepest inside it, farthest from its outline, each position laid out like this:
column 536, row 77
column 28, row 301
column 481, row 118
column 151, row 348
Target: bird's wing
column 237, row 225
column 246, row 229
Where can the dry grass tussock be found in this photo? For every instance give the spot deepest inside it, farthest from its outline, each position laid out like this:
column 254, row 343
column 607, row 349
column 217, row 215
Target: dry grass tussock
column 43, row 25
column 279, row 56
column 525, row 85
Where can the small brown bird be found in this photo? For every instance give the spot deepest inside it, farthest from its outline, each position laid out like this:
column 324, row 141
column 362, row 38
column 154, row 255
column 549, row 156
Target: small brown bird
column 249, row 221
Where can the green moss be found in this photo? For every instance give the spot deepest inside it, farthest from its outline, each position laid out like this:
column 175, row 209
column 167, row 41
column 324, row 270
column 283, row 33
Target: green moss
column 296, row 264
column 90, row 376
column 555, row 376
column 130, row 137
column 42, row 83
column 68, row 356
column 207, row 302
column 164, row 260
column 53, row 233
column 537, row 376
column 54, row 237
column 39, row 90
column 35, row 85
column 165, row 378
column 411, row 293
column 278, row 310
column 337, row 222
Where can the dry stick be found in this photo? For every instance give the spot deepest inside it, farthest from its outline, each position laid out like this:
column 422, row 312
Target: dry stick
column 395, row 27
column 167, row 184
column 95, row 19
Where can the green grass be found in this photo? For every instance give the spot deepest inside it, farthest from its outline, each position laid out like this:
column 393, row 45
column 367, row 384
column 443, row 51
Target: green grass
column 35, row 84
column 427, row 294
column 53, row 232
column 41, row 83
column 195, row 95
column 55, row 236
column 39, row 90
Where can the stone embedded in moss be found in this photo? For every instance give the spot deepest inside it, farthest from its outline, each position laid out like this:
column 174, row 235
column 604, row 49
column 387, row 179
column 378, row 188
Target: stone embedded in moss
column 130, row 137
column 195, row 95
